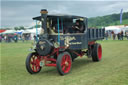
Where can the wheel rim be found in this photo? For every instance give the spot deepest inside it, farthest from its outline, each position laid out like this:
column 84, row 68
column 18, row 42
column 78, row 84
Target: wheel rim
column 35, row 63
column 100, row 52
column 66, row 63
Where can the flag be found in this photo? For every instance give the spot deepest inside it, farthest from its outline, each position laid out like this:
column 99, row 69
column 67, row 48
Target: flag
column 121, row 13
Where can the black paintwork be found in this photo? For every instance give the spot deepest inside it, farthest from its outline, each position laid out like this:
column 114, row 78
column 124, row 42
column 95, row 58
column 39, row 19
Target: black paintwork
column 76, row 40
column 83, row 38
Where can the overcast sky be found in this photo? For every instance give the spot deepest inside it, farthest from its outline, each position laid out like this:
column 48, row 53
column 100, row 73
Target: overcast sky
column 20, row 13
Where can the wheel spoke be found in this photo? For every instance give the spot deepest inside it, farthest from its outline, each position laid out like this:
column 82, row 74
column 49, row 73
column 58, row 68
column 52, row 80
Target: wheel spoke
column 33, row 67
column 32, row 62
column 36, row 68
column 63, row 68
column 33, row 58
column 63, row 63
column 66, row 58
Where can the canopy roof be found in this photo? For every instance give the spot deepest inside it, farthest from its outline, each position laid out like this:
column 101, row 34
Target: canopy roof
column 58, row 15
column 33, row 31
column 2, row 31
column 9, row 32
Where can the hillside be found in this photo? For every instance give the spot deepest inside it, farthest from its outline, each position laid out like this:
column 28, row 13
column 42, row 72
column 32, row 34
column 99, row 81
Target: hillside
column 118, row 22
column 113, row 19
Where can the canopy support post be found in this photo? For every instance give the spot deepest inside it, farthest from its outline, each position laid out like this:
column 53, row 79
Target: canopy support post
column 58, row 31
column 36, row 32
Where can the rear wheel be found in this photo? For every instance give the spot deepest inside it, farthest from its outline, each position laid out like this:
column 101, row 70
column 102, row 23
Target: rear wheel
column 64, row 63
column 97, row 52
column 33, row 63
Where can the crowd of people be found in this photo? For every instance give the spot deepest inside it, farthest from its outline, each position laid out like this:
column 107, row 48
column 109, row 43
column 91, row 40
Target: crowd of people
column 116, row 36
column 14, row 38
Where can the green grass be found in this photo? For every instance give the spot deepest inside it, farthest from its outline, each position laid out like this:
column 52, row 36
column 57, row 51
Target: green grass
column 112, row 70
column 118, row 22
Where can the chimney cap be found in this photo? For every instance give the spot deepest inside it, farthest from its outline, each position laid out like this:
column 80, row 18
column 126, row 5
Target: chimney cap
column 43, row 11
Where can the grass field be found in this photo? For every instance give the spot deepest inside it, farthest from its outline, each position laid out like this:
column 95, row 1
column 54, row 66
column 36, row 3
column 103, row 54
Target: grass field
column 112, row 70
column 118, row 22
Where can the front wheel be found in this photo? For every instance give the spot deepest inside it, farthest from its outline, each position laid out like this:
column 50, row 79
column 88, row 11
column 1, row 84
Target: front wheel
column 97, row 52
column 33, row 63
column 64, row 63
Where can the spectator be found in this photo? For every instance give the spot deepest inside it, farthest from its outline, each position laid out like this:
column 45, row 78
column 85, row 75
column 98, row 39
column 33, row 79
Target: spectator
column 106, row 35
column 15, row 38
column 121, row 34
column 9, row 38
column 23, row 38
column 114, row 36
column 118, row 36
column 35, row 38
column 126, row 35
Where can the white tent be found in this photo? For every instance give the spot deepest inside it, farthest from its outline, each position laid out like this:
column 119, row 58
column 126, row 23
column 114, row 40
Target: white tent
column 32, row 32
column 113, row 28
column 26, row 31
column 125, row 28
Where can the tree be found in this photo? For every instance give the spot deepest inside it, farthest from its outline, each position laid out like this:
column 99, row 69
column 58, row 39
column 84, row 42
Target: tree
column 16, row 28
column 21, row 28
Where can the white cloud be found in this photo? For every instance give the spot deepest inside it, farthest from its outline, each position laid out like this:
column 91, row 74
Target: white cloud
column 16, row 13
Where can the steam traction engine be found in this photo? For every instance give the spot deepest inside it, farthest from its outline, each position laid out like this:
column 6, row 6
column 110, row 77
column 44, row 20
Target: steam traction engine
column 60, row 43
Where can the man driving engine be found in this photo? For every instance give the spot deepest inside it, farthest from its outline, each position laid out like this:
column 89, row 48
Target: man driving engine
column 78, row 27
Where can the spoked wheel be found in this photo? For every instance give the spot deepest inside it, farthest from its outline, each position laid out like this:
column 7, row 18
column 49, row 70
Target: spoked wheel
column 97, row 52
column 64, row 63
column 33, row 63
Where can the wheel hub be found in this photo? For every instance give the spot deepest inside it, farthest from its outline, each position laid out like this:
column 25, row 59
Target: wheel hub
column 66, row 63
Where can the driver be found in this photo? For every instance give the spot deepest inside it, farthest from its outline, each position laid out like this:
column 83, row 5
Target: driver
column 78, row 28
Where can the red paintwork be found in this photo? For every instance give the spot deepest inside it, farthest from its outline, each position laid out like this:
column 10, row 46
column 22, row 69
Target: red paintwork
column 2, row 31
column 53, row 61
column 91, row 43
column 81, row 54
column 100, row 52
column 66, row 63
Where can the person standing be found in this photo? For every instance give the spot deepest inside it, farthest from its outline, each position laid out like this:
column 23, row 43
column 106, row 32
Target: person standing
column 15, row 38
column 126, row 35
column 34, row 38
column 23, row 38
column 121, row 34
column 114, row 36
column 106, row 35
column 118, row 36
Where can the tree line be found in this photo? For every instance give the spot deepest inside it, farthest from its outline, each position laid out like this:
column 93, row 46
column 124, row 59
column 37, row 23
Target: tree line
column 102, row 21
column 22, row 27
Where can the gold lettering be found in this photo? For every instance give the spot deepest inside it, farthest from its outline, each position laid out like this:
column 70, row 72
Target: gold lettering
column 75, row 43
